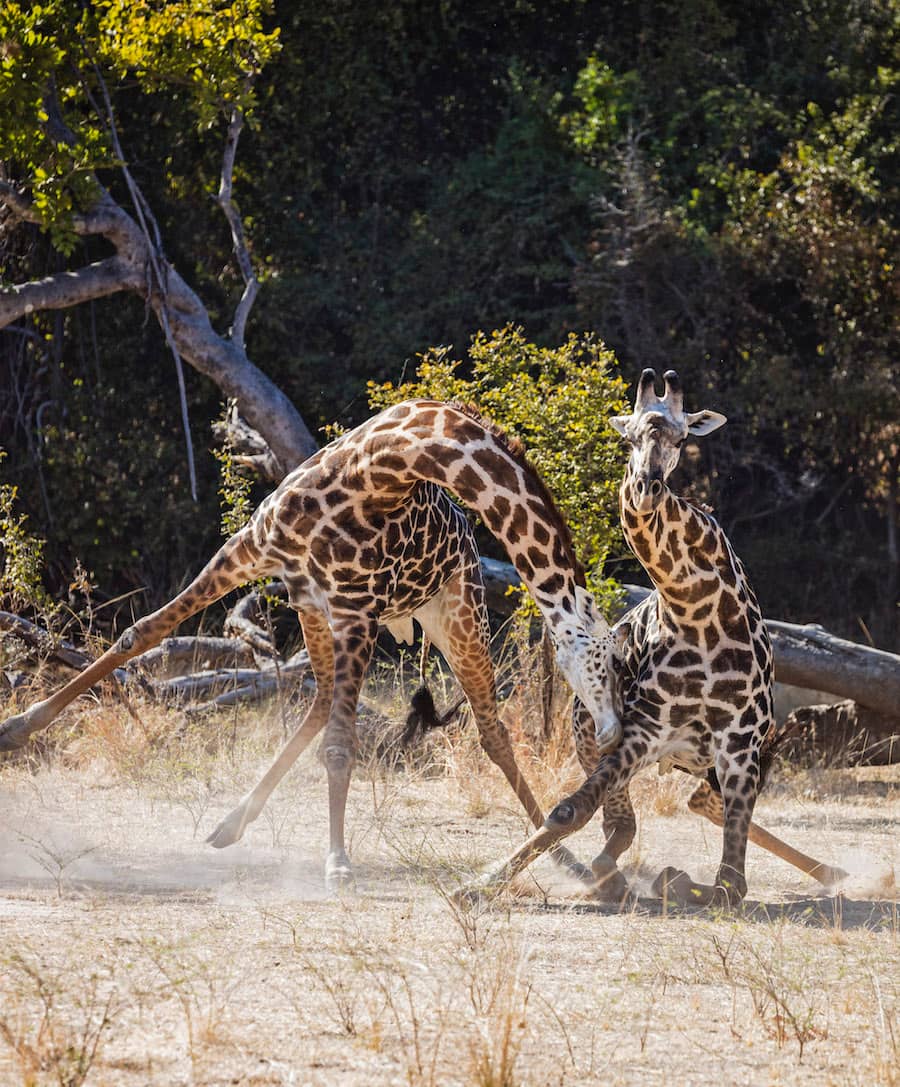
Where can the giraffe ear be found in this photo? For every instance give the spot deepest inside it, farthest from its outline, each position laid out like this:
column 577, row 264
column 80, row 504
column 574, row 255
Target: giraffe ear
column 586, row 610
column 704, row 422
column 618, row 423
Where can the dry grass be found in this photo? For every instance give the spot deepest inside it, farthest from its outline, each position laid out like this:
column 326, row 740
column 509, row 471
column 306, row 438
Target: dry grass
column 132, row 953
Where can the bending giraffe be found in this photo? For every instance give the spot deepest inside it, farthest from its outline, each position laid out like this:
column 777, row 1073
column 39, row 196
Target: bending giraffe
column 362, row 534
column 695, row 679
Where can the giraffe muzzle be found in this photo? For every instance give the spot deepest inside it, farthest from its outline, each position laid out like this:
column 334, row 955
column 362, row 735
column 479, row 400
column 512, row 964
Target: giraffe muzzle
column 649, row 490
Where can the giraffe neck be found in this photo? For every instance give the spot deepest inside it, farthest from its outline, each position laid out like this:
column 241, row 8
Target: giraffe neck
column 682, row 548
column 447, row 445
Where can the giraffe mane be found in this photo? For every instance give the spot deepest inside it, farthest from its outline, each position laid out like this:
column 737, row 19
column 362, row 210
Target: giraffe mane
column 516, row 450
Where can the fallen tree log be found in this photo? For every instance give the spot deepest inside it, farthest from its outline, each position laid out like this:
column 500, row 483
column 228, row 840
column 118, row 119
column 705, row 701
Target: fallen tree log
column 58, row 649
column 805, row 656
column 808, row 656
column 241, row 685
column 841, row 734
column 187, row 654
column 245, row 620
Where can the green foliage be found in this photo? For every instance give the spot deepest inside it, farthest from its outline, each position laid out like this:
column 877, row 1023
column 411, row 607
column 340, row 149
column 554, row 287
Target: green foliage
column 557, row 401
column 22, row 554
column 59, row 58
column 215, row 50
column 235, row 489
column 606, row 103
column 709, row 186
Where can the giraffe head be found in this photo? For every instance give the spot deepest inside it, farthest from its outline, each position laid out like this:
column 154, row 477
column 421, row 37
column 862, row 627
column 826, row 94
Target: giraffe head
column 656, row 430
column 590, row 652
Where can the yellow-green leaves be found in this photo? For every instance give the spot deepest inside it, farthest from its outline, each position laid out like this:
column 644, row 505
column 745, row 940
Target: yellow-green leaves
column 557, row 401
column 62, row 64
column 214, row 49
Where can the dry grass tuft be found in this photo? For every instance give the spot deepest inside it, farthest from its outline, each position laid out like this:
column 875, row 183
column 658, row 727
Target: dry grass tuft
column 134, row 954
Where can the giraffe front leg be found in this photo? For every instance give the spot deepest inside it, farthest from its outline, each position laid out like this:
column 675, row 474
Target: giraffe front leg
column 607, row 882
column 619, row 826
column 319, row 644
column 568, row 816
column 706, row 802
column 738, row 776
column 354, row 638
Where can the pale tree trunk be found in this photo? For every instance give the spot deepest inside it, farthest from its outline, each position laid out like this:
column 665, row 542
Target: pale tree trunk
column 139, row 267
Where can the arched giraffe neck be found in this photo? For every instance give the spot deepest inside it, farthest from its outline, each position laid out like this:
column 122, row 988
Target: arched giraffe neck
column 448, row 445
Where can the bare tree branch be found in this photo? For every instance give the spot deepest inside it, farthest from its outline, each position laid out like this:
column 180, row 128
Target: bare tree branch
column 226, row 203
column 67, row 289
column 261, row 402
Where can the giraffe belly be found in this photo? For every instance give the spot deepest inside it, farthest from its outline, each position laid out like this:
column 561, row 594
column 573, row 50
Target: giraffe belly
column 679, row 753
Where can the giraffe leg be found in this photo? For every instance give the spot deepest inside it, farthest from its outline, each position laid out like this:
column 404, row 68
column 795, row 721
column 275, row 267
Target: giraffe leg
column 320, row 646
column 354, row 639
column 707, row 802
column 233, row 565
column 738, row 775
column 619, row 826
column 618, row 814
column 569, row 815
column 456, row 622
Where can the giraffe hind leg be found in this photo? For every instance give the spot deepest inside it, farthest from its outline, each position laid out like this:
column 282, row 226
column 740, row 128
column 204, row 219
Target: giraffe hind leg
column 319, row 644
column 455, row 621
column 707, row 802
column 229, row 568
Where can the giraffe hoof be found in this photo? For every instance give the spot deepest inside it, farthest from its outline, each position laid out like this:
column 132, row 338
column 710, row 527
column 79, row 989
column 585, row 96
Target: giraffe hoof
column 229, row 831
column 830, row 878
column 673, row 885
column 14, row 733
column 609, row 885
column 677, row 887
column 338, row 874
column 470, row 896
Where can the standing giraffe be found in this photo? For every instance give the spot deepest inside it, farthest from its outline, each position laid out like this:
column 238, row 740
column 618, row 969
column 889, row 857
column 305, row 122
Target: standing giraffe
column 695, row 677
column 362, row 534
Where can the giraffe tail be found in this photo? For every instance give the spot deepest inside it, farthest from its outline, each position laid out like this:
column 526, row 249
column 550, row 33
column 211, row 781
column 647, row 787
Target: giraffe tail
column 423, row 715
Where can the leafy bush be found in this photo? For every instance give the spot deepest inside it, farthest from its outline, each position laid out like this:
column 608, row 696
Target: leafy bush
column 557, row 402
column 22, row 556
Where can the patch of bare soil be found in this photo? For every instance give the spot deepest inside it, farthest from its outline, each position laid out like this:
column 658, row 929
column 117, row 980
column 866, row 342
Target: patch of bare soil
column 132, row 953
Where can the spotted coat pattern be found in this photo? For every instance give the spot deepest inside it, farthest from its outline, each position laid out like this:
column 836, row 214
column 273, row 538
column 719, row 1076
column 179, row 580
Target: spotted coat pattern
column 363, row 534
column 694, row 681
column 696, row 670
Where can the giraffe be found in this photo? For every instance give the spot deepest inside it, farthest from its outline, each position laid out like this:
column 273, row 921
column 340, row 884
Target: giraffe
column 693, row 677
column 363, row 534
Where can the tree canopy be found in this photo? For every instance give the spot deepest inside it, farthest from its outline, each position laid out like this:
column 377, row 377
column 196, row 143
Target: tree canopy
column 699, row 184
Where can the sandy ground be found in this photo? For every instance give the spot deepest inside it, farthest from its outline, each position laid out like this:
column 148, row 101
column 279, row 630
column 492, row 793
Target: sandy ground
column 133, row 953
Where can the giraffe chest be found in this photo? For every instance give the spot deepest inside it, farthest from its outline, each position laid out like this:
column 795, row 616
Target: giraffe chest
column 684, row 693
